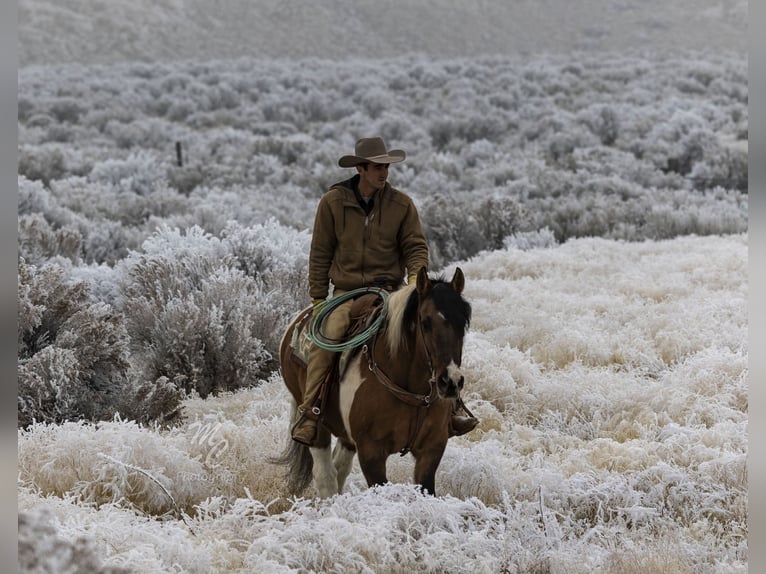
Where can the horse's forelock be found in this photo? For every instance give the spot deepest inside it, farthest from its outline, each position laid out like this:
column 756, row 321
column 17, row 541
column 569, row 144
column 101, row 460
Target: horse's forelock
column 456, row 310
column 403, row 309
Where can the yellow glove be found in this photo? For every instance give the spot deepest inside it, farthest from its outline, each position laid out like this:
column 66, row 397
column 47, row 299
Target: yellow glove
column 412, row 279
column 316, row 305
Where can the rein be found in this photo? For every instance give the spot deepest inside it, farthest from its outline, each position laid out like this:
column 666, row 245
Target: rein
column 412, row 399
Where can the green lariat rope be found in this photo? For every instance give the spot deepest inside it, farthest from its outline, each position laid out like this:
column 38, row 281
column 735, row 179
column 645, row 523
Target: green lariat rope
column 328, row 307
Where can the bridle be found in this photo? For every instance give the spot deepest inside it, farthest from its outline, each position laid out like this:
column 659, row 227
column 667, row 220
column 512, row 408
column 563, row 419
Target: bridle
column 413, row 399
column 422, row 401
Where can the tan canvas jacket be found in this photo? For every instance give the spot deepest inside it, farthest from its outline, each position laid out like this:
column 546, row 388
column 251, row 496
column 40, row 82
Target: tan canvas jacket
column 356, row 250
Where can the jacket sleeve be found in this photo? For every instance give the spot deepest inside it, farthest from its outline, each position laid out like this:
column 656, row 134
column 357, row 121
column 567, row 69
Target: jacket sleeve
column 323, row 243
column 413, row 242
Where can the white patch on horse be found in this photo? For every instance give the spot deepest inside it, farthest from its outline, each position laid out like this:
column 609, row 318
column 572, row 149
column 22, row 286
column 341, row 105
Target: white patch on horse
column 342, row 458
column 325, row 475
column 348, row 387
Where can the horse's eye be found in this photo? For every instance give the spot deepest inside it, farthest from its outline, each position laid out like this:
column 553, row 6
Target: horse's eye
column 426, row 324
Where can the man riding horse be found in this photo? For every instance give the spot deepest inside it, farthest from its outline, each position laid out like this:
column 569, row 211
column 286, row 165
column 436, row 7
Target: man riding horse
column 366, row 233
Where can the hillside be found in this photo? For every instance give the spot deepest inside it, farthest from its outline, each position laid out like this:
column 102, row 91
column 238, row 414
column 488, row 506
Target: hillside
column 107, row 31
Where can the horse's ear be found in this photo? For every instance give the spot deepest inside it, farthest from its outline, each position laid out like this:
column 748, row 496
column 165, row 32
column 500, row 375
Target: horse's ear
column 423, row 283
column 458, row 281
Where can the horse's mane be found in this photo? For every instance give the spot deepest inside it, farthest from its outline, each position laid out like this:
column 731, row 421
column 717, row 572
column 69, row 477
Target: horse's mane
column 398, row 303
column 402, row 311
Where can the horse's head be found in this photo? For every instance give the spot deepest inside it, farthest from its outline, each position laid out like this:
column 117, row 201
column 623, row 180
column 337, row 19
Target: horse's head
column 443, row 317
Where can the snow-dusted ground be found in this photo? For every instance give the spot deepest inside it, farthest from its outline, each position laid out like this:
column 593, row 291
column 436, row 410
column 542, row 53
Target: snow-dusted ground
column 610, row 380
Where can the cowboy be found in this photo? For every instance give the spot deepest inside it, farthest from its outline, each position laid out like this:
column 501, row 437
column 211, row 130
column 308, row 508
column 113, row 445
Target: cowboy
column 366, row 233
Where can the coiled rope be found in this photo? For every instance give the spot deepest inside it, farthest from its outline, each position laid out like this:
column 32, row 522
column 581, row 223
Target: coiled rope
column 329, row 306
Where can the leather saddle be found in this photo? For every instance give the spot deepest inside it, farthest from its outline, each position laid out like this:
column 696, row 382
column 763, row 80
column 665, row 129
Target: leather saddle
column 363, row 312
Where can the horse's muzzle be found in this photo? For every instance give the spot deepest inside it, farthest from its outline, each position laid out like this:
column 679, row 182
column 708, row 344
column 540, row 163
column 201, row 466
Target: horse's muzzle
column 450, row 383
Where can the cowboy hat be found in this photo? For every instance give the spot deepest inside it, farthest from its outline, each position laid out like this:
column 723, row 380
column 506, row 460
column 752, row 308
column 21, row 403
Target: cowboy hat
column 371, row 150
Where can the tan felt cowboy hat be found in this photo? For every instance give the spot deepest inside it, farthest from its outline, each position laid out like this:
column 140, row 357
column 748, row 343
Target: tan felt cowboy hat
column 371, row 150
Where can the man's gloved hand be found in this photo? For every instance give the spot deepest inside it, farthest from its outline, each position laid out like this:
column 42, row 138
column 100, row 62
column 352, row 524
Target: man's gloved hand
column 412, row 279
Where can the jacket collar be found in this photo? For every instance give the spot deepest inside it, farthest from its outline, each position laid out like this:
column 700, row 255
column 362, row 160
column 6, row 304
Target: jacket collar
column 352, row 184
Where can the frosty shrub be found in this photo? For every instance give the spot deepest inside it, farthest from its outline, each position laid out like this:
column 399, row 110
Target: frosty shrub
column 451, row 230
column 111, row 216
column 73, row 354
column 39, row 241
column 107, row 242
column 498, row 218
column 33, row 197
column 723, row 164
column 42, row 549
column 530, row 240
column 459, row 226
column 185, row 179
column 67, row 109
column 277, row 257
column 191, row 313
column 603, row 121
column 112, row 463
column 139, row 173
column 41, row 163
column 37, row 199
column 101, row 280
column 118, row 200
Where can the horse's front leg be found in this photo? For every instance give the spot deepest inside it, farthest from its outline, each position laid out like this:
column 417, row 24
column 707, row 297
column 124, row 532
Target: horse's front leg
column 426, row 463
column 373, row 464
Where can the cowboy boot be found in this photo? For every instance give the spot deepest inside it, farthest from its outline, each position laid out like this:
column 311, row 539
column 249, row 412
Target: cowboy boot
column 304, row 430
column 461, row 424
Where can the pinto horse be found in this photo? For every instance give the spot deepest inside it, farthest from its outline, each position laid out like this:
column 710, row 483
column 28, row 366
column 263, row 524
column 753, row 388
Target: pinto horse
column 395, row 396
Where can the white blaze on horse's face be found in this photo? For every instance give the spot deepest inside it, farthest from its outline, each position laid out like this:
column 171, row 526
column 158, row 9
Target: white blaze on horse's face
column 445, row 347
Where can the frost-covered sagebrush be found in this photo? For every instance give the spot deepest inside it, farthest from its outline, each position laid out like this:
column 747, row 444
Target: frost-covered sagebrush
column 74, row 360
column 582, row 145
column 610, row 380
column 73, row 354
column 194, row 315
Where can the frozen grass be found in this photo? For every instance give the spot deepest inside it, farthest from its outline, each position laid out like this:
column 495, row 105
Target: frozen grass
column 610, row 379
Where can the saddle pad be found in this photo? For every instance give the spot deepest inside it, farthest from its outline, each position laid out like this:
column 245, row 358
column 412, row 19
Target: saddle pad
column 301, row 340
